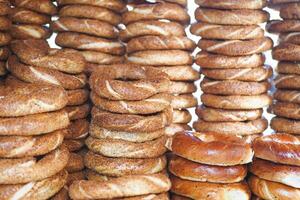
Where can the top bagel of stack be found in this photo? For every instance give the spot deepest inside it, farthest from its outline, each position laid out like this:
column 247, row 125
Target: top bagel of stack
column 92, row 28
column 155, row 36
column 236, row 81
column 287, row 97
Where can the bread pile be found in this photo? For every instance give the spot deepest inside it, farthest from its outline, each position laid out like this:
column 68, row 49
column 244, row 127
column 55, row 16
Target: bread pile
column 127, row 135
column 287, row 96
column 209, row 166
column 155, row 36
column 33, row 124
column 92, row 28
column 276, row 168
column 235, row 85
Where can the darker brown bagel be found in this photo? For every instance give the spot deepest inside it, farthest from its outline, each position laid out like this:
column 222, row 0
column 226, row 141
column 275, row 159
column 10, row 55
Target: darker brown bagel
column 78, row 112
column 40, row 6
column 278, row 26
column 288, row 81
column 78, row 129
column 290, row 11
column 283, row 125
column 287, row 110
column 5, row 39
column 229, row 4
column 288, row 68
column 25, row 16
column 77, row 97
column 28, row 31
column 287, row 96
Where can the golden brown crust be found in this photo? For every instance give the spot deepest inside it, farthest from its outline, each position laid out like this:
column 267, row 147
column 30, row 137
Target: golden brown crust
column 77, row 97
column 287, row 96
column 5, row 23
column 229, row 4
column 5, row 38
column 180, row 87
column 162, row 196
column 286, row 52
column 5, row 7
column 41, row 6
column 180, row 73
column 282, row 1
column 78, row 112
column 287, row 110
column 288, row 68
column 28, row 31
column 292, row 37
column 25, row 16
column 290, row 11
column 75, row 163
column 96, row 57
column 289, row 81
column 284, row 125
column 78, row 129
column 73, row 145
column 282, row 26
column 183, row 101
column 4, row 53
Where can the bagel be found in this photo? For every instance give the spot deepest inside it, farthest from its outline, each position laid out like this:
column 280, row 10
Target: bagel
column 75, row 163
column 88, row 26
column 153, row 104
column 3, row 70
column 41, row 6
column 124, row 149
column 210, row 191
column 24, row 16
column 244, row 74
column 146, row 81
column 278, row 148
column 236, row 47
column 117, row 6
column 31, row 99
column 286, row 52
column 236, row 128
column 160, row 43
column 290, row 11
column 284, row 125
column 156, row 11
column 229, row 17
column 4, row 53
column 293, row 38
column 32, row 74
column 5, row 23
column 183, row 101
column 78, row 129
column 174, row 128
column 288, row 68
column 287, row 81
column 287, row 96
column 214, row 61
column 182, row 116
column 24, row 170
column 85, row 42
column 75, row 176
column 192, row 171
column 28, row 31
column 272, row 190
column 229, row 4
column 234, row 87
column 282, row 1
column 151, row 27
column 179, row 197
column 73, row 145
column 43, row 189
column 5, row 7
column 287, row 110
column 180, row 73
column 123, row 166
column 78, row 112
column 77, row 97
column 212, row 148
column 5, row 39
column 160, row 57
column 162, row 196
column 61, row 195
column 90, row 12
column 218, row 115
column 226, row 32
column 279, row 173
column 101, row 58
column 178, row 87
column 278, row 26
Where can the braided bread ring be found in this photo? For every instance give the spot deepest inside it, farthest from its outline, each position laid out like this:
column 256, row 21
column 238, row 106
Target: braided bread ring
column 5, row 23
column 231, row 17
column 284, row 125
column 86, row 42
column 153, row 104
column 215, row 61
column 160, row 43
column 287, row 81
column 290, row 11
column 142, row 184
column 286, row 52
column 183, row 101
column 278, row 26
column 41, row 6
column 5, row 39
column 178, row 87
column 123, row 166
column 172, row 129
column 88, row 26
column 151, row 27
column 74, row 145
column 229, row 4
column 256, row 126
column 5, row 7
column 101, row 58
column 181, row 116
column 78, row 129
column 77, row 97
column 42, row 189
column 180, row 73
column 108, row 82
column 160, row 10
column 24, row 16
column 90, row 12
column 225, row 32
column 219, row 115
column 236, row 102
column 161, row 57
column 287, row 110
column 4, row 53
column 78, row 112
column 288, row 68
column 287, row 96
column 75, row 163
column 28, row 31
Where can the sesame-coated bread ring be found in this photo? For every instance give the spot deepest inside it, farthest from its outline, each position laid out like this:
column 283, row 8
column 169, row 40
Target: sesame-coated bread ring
column 293, row 38
column 175, row 128
column 125, row 149
column 117, row 5
column 151, row 27
column 90, row 12
column 85, row 42
column 226, row 32
column 101, row 58
column 285, row 174
column 236, row 102
column 126, row 186
column 181, row 73
column 290, row 11
column 78, row 129
column 278, row 148
column 31, row 99
column 77, row 97
column 23, row 170
column 160, row 43
column 189, row 170
column 180, row 87
column 282, row 1
column 233, row 87
column 4, row 53
column 210, row 191
column 5, row 7
column 236, row 47
column 288, row 81
column 41, row 6
column 73, row 145
column 288, row 68
column 34, row 124
column 162, row 196
column 278, row 26
column 218, row 115
column 5, row 39
column 284, row 125
column 39, row 190
column 21, row 146
column 230, row 4
column 75, row 176
column 3, row 70
column 38, row 53
column 243, row 74
column 41, row 75
column 272, row 190
column 182, row 116
column 123, row 166
column 231, row 17
column 161, row 57
column 75, row 163
column 215, row 61
column 160, row 10
column 183, row 101
column 153, row 104
column 146, row 81
column 256, row 126
column 30, row 31
column 287, row 110
column 88, row 26
column 63, row 193
column 78, row 112
column 286, row 52
column 24, row 16
column 287, row 96
column 212, row 148
column 179, row 197
column 5, row 23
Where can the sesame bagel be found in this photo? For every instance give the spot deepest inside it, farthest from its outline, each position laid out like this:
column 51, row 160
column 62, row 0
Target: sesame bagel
column 289, row 81
column 28, row 31
column 180, row 73
column 287, row 96
column 290, row 11
column 229, row 4
column 75, row 163
column 212, row 148
column 5, row 7
column 25, row 16
column 3, row 70
column 5, row 39
column 4, row 53
column 5, row 23
column 78, row 112
column 283, row 26
column 180, row 87
column 293, row 38
column 286, row 52
column 288, row 68
column 282, row 1
column 182, row 116
column 284, row 125
column 183, row 101
column 77, row 96
column 40, row 6
column 285, row 109
column 73, row 145
column 77, row 129
column 100, row 58
column 175, row 128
